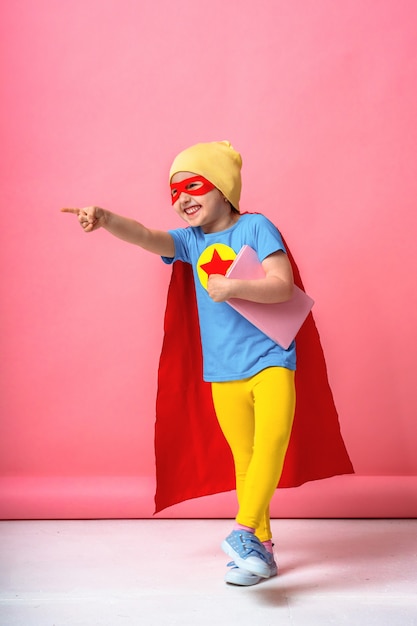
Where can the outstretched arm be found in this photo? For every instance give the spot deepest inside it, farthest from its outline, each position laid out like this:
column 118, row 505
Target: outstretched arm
column 277, row 286
column 156, row 241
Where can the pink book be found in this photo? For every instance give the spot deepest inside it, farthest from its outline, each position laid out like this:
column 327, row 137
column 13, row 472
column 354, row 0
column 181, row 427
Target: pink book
column 281, row 321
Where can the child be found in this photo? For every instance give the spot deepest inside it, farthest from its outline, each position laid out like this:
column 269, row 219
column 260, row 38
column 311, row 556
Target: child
column 252, row 378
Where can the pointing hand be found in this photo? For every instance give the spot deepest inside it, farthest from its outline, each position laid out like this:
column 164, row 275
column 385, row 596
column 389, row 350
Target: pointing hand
column 90, row 218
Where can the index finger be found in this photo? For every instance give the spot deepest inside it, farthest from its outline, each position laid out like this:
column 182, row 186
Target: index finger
column 69, row 210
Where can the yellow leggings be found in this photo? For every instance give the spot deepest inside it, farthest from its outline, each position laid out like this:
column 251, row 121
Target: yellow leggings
column 256, row 416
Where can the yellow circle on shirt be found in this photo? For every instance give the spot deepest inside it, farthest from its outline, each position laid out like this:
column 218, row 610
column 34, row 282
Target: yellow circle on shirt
column 219, row 256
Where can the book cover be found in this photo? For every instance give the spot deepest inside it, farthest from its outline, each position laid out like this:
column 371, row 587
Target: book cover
column 280, row 321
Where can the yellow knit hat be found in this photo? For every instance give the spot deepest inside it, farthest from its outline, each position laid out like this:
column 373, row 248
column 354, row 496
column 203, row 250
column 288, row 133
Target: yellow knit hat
column 217, row 161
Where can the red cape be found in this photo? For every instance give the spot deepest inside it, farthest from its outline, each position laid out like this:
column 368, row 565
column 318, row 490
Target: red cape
column 192, row 456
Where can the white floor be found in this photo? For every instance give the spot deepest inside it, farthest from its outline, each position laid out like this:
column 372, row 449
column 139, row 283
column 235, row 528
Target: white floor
column 170, row 572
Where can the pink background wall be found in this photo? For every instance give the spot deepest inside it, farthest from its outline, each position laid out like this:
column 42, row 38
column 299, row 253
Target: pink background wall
column 97, row 98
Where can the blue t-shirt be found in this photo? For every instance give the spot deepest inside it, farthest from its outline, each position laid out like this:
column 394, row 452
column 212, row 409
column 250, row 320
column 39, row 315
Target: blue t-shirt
column 233, row 349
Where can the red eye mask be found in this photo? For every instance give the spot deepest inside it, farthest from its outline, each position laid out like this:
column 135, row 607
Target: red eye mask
column 194, row 186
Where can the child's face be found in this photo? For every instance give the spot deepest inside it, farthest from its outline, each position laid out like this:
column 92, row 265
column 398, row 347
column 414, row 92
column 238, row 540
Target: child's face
column 208, row 210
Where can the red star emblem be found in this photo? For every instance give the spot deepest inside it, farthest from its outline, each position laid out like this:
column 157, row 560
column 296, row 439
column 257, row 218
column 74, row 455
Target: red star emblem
column 217, row 265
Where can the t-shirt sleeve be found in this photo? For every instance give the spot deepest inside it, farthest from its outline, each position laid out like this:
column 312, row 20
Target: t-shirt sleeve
column 180, row 238
column 266, row 238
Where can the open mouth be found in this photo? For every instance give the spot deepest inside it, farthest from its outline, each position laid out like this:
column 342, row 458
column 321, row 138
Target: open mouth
column 191, row 210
